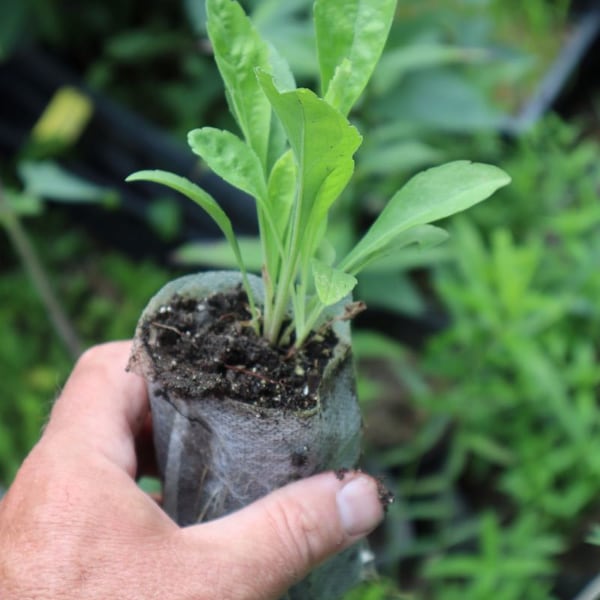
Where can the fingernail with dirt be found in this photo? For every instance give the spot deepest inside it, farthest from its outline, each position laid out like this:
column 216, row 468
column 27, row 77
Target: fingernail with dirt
column 359, row 507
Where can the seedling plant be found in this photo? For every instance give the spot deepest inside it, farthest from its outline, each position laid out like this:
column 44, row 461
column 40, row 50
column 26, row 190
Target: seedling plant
column 295, row 157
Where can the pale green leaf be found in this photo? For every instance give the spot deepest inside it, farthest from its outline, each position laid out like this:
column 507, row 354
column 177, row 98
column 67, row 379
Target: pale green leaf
column 412, row 257
column 22, row 204
column 331, row 284
column 280, row 69
column 393, row 291
column 389, row 157
column 238, row 50
column 322, row 139
column 47, row 179
column 230, row 158
column 281, row 190
column 429, row 196
column 338, row 86
column 284, row 77
column 199, row 196
column 209, row 204
column 330, row 190
column 219, row 254
column 355, row 31
column 396, row 63
column 427, row 236
column 281, row 193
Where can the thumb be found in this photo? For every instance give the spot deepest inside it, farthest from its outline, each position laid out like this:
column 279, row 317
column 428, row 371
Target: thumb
column 268, row 546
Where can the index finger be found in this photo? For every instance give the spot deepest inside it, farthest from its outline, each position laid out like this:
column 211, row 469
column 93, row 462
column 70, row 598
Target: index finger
column 102, row 407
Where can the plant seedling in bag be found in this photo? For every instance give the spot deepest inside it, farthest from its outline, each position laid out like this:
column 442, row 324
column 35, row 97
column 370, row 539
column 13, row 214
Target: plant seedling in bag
column 232, row 422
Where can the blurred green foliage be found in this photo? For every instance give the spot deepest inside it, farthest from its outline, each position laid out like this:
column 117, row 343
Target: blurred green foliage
column 103, row 291
column 506, row 398
column 489, row 435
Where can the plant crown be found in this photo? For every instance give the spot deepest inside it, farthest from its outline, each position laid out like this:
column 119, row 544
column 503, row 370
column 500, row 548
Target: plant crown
column 295, row 158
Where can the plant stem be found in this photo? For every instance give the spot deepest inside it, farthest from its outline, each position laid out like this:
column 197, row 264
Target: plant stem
column 315, row 310
column 288, row 271
column 282, row 296
column 33, row 267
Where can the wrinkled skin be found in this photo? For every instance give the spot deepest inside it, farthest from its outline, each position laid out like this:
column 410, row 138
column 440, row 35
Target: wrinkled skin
column 74, row 524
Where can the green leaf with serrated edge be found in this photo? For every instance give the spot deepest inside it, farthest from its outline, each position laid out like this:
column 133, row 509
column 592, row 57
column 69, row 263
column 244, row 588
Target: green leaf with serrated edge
column 230, row 158
column 280, row 69
column 355, row 30
column 321, row 138
column 337, row 90
column 239, row 49
column 200, row 197
column 331, row 284
column 429, row 196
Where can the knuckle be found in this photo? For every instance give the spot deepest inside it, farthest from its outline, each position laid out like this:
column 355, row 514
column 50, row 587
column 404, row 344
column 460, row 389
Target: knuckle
column 297, row 532
column 90, row 360
column 96, row 355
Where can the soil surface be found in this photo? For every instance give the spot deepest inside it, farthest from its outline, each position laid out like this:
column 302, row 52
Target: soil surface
column 208, row 348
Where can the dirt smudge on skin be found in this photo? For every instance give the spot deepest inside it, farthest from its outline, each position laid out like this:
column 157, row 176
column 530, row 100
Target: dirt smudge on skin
column 386, row 497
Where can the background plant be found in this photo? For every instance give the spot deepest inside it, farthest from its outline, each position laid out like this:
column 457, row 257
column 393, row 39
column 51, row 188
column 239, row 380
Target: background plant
column 464, row 508
column 506, row 398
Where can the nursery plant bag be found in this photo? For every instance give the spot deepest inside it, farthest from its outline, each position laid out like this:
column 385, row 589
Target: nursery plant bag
column 218, row 454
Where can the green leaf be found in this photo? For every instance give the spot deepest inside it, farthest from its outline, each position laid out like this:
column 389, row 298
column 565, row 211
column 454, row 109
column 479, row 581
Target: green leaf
column 396, row 63
column 164, row 216
column 389, row 157
column 337, row 90
column 392, row 291
column 230, row 158
column 280, row 69
column 331, row 284
column 594, row 535
column 143, row 45
column 323, row 142
column 285, row 80
column 281, row 190
column 239, row 49
column 200, row 197
column 354, row 31
column 331, row 188
column 219, row 254
column 48, row 179
column 427, row 236
column 22, row 204
column 429, row 196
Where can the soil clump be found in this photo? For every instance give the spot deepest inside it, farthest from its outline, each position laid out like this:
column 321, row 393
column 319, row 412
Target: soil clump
column 208, row 348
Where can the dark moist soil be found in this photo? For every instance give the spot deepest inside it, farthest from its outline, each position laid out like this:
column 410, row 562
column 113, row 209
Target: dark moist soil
column 208, row 348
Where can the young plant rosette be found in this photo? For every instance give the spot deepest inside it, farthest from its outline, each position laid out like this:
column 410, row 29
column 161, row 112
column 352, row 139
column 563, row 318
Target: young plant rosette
column 222, row 442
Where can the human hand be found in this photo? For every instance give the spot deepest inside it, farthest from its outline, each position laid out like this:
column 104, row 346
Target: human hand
column 74, row 524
